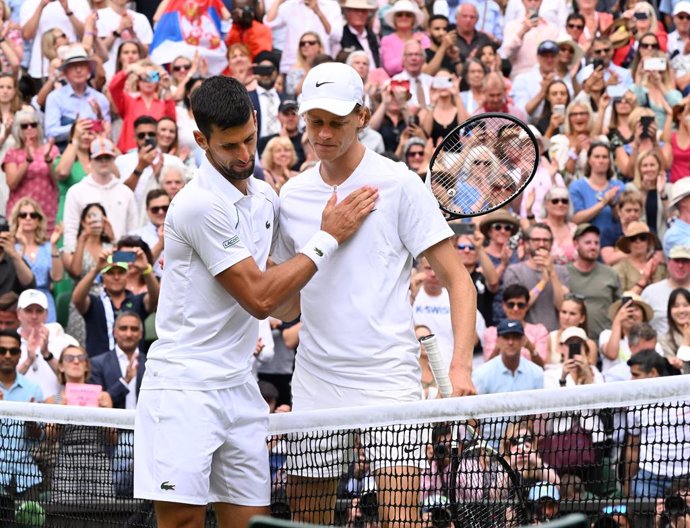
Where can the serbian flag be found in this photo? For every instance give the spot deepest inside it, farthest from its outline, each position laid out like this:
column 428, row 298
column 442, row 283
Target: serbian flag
column 188, row 26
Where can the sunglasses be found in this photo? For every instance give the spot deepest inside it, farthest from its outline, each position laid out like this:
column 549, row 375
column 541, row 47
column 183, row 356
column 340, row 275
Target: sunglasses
column 158, row 208
column 639, row 238
column 579, row 114
column 514, row 305
column 683, row 16
column 71, row 358
column 34, row 215
column 502, row 227
column 24, row 126
column 404, row 14
column 463, row 247
column 521, row 440
column 649, row 45
column 144, row 135
column 181, row 67
column 574, row 297
column 576, row 26
column 556, row 201
column 485, row 163
column 602, row 51
column 304, row 43
column 416, row 154
column 14, row 351
column 566, row 49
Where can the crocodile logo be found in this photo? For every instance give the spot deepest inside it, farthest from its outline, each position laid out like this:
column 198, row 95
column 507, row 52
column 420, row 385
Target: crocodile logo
column 268, row 224
column 318, row 252
column 167, row 486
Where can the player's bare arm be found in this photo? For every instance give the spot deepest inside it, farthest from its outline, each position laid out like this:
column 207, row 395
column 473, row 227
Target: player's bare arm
column 463, row 313
column 272, row 292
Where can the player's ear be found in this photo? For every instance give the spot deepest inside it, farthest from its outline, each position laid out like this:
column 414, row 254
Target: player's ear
column 200, row 139
column 364, row 115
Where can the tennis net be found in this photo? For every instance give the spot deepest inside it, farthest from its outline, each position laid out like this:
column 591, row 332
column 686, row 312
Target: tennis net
column 613, row 450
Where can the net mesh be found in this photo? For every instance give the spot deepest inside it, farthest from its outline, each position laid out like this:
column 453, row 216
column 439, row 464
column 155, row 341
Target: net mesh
column 486, row 461
column 483, row 164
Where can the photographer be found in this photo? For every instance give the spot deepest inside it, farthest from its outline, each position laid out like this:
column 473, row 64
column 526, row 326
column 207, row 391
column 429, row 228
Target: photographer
column 673, row 511
column 15, row 274
column 575, row 368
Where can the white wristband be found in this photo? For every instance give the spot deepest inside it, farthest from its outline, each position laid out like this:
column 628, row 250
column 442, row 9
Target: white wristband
column 320, row 248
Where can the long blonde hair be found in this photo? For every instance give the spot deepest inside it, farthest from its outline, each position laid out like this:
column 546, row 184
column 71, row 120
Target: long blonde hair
column 41, row 230
column 300, row 61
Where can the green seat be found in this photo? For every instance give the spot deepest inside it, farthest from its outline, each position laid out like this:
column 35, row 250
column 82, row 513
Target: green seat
column 62, row 301
column 150, row 328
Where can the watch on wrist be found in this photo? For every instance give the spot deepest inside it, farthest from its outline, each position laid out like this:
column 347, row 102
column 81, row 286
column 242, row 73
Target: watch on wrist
column 137, row 172
column 561, row 382
column 49, row 357
column 116, row 34
column 69, row 13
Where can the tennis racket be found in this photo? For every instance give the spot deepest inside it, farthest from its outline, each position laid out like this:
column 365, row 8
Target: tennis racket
column 489, row 493
column 438, row 369
column 482, row 165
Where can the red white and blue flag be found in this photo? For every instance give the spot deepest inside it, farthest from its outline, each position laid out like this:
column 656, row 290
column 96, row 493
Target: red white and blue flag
column 188, row 26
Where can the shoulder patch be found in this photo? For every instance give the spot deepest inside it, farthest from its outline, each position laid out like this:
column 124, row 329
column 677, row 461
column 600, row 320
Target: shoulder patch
column 231, row 242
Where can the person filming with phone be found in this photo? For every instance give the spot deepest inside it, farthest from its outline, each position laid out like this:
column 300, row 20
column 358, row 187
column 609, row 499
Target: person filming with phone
column 575, row 368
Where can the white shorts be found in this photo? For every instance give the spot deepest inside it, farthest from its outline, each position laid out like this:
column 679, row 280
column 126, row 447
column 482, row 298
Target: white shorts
column 201, row 447
column 326, row 454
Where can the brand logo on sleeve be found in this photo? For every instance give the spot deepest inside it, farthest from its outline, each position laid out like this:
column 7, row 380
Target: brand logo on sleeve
column 167, row 486
column 268, row 224
column 231, row 242
column 318, row 252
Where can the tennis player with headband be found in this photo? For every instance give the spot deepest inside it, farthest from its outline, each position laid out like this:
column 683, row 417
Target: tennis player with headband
column 201, row 423
column 357, row 342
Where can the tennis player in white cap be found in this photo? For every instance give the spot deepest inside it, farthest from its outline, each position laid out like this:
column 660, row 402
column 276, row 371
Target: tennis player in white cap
column 357, row 342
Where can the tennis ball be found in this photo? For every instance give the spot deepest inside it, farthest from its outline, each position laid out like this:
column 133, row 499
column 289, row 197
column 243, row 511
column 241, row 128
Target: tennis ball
column 30, row 514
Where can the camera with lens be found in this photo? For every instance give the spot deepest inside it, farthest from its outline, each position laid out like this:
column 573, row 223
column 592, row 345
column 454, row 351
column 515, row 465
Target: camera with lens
column 675, row 506
column 441, row 451
column 369, row 506
column 440, row 517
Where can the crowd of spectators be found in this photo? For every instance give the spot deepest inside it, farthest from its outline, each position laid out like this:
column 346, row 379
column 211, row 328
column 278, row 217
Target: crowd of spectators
column 583, row 279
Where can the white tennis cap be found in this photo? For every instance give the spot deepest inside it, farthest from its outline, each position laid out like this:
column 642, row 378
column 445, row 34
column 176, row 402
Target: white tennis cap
column 332, row 86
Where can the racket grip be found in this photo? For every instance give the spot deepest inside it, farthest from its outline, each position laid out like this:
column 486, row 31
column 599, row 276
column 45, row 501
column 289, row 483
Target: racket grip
column 440, row 373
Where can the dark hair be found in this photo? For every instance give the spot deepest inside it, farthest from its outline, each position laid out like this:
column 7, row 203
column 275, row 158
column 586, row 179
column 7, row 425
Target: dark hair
column 649, row 359
column 136, row 241
column 575, row 16
column 118, row 62
column 580, row 301
column 145, row 120
column 189, row 85
column 439, row 430
column 672, row 326
column 515, row 291
column 321, row 58
column 464, row 86
column 176, row 142
column 221, row 101
column 267, row 56
column 641, row 332
column 82, row 217
column 11, row 332
column 545, row 117
column 437, row 17
column 153, row 194
column 8, row 302
column 539, row 225
column 592, row 146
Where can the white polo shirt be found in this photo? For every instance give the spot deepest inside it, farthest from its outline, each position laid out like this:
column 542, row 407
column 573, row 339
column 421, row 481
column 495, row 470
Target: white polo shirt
column 206, row 340
column 357, row 327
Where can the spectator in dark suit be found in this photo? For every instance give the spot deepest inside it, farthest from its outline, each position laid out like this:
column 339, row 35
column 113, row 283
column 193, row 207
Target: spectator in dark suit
column 357, row 32
column 120, row 370
column 289, row 120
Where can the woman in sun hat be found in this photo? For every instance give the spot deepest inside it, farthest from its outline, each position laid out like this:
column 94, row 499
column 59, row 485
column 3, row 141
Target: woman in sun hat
column 404, row 17
column 641, row 266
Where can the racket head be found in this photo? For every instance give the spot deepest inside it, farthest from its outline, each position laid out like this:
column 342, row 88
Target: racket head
column 482, row 165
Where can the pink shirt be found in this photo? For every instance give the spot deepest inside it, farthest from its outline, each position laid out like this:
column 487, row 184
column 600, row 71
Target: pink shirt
column 680, row 167
column 391, row 51
column 522, row 52
column 537, row 333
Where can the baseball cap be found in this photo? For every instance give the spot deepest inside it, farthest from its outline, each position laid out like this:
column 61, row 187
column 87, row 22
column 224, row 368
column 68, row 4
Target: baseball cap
column 572, row 332
column 586, row 228
column 544, row 490
column 509, row 326
column 681, row 7
column 288, row 104
column 111, row 265
column 548, row 46
column 332, row 86
column 102, row 147
column 679, row 252
column 29, row 297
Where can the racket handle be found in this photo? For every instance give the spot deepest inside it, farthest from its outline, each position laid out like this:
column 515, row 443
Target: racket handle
column 430, row 343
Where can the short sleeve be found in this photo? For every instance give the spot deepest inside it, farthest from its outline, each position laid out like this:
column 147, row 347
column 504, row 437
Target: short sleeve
column 211, row 231
column 13, row 156
column 576, row 197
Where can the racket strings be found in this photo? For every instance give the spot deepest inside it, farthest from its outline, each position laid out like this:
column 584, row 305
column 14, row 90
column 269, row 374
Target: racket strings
column 482, row 165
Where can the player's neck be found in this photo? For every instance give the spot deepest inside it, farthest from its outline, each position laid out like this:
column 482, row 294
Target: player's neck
column 334, row 172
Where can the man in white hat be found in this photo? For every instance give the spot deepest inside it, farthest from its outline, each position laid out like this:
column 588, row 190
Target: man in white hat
column 575, row 368
column 679, row 232
column 76, row 97
column 656, row 295
column 679, row 39
column 102, row 186
column 42, row 342
column 357, row 35
column 359, row 348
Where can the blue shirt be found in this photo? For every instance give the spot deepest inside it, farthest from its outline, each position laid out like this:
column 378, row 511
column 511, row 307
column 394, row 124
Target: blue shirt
column 16, row 461
column 583, row 196
column 64, row 105
column 676, row 235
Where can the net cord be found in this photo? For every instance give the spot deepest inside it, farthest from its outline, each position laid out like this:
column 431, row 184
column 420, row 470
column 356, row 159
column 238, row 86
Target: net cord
column 601, row 396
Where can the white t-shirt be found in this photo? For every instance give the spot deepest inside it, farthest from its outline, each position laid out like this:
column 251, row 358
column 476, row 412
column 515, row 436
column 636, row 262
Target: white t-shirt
column 206, row 340
column 109, row 20
column 40, row 371
column 357, row 326
column 53, row 16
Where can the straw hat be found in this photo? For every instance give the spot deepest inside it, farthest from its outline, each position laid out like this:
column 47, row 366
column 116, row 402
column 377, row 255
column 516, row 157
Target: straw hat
column 618, row 33
column 75, row 54
column 636, row 228
column 358, row 4
column 567, row 40
column 648, row 312
column 403, row 6
column 679, row 190
column 499, row 216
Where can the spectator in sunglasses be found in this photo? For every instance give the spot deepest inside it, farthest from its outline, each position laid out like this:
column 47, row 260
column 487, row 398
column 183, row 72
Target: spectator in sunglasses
column 572, row 313
column 474, row 258
column 157, row 204
column 515, row 304
column 642, row 263
column 153, row 98
column 497, row 229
